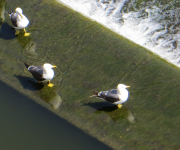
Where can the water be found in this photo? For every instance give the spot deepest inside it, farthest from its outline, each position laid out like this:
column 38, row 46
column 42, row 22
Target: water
column 27, row 125
column 88, row 57
column 153, row 24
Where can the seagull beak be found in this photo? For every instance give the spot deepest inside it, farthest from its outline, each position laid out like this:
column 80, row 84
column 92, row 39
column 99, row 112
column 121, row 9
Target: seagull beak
column 54, row 67
column 127, row 86
column 21, row 16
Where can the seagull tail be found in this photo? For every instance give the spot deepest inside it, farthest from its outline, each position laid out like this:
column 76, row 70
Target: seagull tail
column 27, row 66
column 96, row 94
column 11, row 12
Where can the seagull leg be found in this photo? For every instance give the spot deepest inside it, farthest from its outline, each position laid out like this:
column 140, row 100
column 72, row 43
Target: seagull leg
column 26, row 34
column 119, row 105
column 50, row 84
column 17, row 32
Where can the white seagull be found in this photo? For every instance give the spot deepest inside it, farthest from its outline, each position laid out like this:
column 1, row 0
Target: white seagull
column 114, row 96
column 19, row 21
column 42, row 73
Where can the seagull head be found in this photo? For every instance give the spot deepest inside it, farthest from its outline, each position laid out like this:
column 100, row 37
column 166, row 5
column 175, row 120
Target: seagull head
column 122, row 86
column 19, row 11
column 49, row 66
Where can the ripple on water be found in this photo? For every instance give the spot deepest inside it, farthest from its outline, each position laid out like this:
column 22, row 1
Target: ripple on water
column 151, row 24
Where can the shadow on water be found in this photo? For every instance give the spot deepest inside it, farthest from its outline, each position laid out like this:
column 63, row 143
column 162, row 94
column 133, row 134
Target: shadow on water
column 47, row 94
column 113, row 111
column 29, row 83
column 7, row 32
column 99, row 105
column 117, row 113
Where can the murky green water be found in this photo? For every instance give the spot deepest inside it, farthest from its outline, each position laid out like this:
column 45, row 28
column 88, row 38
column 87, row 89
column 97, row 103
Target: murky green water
column 89, row 57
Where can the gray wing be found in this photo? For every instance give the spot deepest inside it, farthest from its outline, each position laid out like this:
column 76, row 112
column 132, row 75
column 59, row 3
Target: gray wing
column 110, row 96
column 37, row 72
column 14, row 19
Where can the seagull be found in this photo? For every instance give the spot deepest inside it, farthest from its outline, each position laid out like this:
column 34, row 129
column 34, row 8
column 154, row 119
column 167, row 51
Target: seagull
column 42, row 73
column 19, row 21
column 114, row 96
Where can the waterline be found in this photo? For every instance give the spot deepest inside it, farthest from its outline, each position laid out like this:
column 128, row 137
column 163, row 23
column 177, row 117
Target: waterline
column 153, row 25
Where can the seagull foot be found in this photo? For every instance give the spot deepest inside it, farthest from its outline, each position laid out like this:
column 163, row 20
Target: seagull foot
column 17, row 32
column 50, row 85
column 119, row 105
column 26, row 34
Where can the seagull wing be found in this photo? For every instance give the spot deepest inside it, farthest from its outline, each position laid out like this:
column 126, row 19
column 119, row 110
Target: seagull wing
column 37, row 72
column 14, row 19
column 110, row 96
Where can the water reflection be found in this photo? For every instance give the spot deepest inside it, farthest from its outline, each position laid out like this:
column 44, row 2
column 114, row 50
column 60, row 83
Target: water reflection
column 49, row 95
column 2, row 10
column 113, row 111
column 56, row 102
column 26, row 42
column 117, row 114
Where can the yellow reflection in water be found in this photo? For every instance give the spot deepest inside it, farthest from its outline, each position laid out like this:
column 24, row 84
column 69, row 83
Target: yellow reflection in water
column 116, row 113
column 50, row 95
column 27, row 43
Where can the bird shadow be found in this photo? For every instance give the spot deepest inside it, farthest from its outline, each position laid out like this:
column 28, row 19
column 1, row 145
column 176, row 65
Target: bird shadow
column 112, row 111
column 7, row 32
column 47, row 94
column 99, row 105
column 29, row 83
